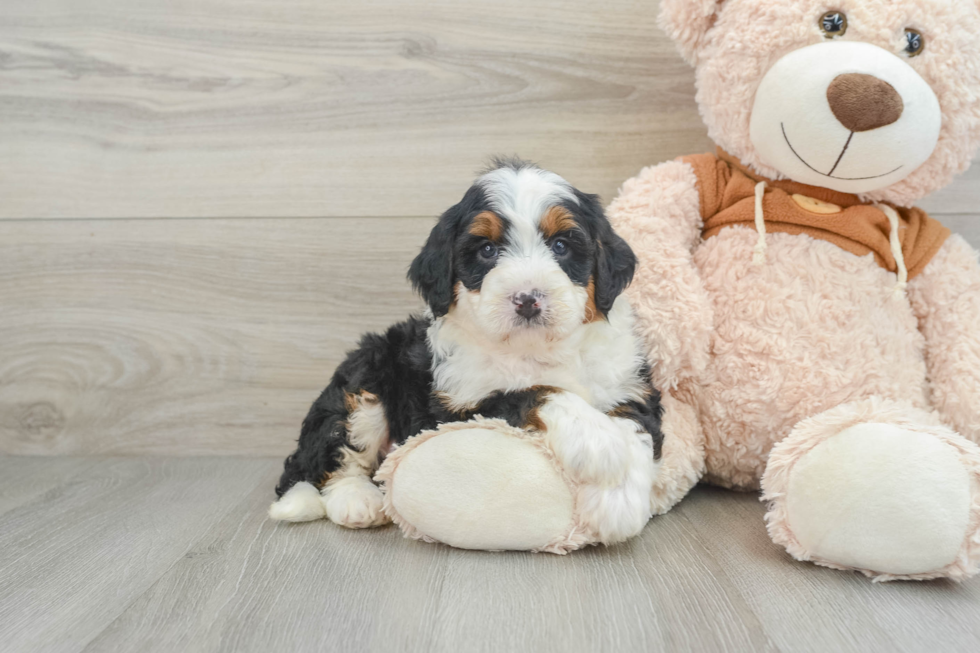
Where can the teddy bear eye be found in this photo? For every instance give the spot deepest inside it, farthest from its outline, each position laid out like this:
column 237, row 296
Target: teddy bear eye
column 914, row 43
column 833, row 23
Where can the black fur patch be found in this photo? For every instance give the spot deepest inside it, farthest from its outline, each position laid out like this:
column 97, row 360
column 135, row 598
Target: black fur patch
column 613, row 261
column 452, row 254
column 648, row 413
column 394, row 366
column 579, row 261
column 469, row 263
column 518, row 408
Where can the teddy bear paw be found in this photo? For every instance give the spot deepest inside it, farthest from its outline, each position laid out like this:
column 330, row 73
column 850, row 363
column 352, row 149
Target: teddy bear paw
column 888, row 500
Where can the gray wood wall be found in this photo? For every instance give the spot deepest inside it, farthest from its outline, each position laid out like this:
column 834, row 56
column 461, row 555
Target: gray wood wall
column 202, row 204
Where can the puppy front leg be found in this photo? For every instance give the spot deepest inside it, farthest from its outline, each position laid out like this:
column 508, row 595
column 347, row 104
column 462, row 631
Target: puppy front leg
column 591, row 447
column 612, row 457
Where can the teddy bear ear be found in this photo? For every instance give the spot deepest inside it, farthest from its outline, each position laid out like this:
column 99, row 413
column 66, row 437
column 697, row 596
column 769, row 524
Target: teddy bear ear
column 687, row 21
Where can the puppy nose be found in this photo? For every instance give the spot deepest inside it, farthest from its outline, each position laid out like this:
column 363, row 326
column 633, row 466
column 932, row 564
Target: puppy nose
column 864, row 102
column 527, row 306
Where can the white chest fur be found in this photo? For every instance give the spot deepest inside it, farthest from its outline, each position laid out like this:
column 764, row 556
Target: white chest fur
column 600, row 361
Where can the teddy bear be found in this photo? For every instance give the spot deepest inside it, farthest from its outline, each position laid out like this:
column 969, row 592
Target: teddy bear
column 821, row 333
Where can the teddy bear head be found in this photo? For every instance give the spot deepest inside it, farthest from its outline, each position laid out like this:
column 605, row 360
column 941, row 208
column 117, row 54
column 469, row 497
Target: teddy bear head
column 875, row 97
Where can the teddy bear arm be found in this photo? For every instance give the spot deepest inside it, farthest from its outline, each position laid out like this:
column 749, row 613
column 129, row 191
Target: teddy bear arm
column 946, row 301
column 658, row 213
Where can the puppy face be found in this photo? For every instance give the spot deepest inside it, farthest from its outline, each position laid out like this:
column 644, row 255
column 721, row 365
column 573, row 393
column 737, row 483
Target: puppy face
column 523, row 255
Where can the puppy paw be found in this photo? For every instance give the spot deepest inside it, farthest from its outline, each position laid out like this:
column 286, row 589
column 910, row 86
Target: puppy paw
column 590, row 445
column 620, row 512
column 354, row 502
column 302, row 502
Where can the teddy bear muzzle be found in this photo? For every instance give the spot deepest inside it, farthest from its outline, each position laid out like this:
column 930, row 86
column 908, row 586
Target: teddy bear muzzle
column 849, row 116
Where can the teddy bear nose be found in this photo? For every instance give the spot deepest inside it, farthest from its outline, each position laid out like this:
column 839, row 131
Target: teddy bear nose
column 863, row 102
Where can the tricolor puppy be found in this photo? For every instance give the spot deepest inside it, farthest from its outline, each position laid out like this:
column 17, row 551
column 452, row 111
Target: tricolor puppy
column 526, row 323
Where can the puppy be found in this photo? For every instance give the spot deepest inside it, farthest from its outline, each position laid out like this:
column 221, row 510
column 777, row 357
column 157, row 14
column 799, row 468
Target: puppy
column 526, row 323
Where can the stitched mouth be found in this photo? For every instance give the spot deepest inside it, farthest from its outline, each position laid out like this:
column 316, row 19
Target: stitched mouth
column 830, row 174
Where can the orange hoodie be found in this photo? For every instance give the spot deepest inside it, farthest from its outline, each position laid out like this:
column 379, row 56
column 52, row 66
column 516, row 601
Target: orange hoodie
column 727, row 192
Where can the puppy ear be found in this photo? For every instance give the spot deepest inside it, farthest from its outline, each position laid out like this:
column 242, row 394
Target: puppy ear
column 432, row 273
column 614, row 259
column 615, row 264
column 686, row 22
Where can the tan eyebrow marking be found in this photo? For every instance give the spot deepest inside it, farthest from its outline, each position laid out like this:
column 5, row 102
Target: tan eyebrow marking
column 487, row 224
column 556, row 220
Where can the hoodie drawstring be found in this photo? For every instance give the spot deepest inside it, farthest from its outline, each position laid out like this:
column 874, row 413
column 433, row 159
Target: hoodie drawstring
column 896, row 246
column 759, row 252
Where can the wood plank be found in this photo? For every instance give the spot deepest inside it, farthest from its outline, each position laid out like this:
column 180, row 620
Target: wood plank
column 72, row 560
column 251, row 585
column 221, row 108
column 807, row 608
column 177, row 554
column 24, row 478
column 186, row 337
column 661, row 591
column 135, row 108
column 191, row 337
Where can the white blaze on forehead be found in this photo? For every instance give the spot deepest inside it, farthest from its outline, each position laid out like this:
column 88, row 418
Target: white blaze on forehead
column 522, row 196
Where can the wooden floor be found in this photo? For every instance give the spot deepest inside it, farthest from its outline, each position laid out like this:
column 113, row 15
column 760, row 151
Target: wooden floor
column 176, row 554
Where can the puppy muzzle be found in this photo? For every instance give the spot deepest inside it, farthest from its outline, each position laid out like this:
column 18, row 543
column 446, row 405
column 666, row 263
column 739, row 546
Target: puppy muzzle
column 529, row 306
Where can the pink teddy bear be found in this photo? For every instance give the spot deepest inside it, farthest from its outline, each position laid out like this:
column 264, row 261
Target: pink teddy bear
column 819, row 337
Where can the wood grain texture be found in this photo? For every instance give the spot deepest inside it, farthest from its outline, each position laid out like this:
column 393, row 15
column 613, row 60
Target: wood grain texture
column 252, row 585
column 22, row 483
column 73, row 558
column 134, row 108
column 186, row 337
column 167, row 555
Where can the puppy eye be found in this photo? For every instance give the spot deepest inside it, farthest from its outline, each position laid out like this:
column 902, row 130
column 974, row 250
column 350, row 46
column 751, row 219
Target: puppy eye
column 559, row 247
column 833, row 23
column 914, row 43
column 488, row 251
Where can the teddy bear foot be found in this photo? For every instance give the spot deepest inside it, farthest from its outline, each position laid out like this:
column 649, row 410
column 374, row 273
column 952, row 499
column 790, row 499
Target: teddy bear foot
column 878, row 487
column 482, row 485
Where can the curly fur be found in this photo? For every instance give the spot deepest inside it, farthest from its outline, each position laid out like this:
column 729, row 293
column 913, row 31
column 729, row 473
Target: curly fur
column 946, row 300
column 666, row 286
